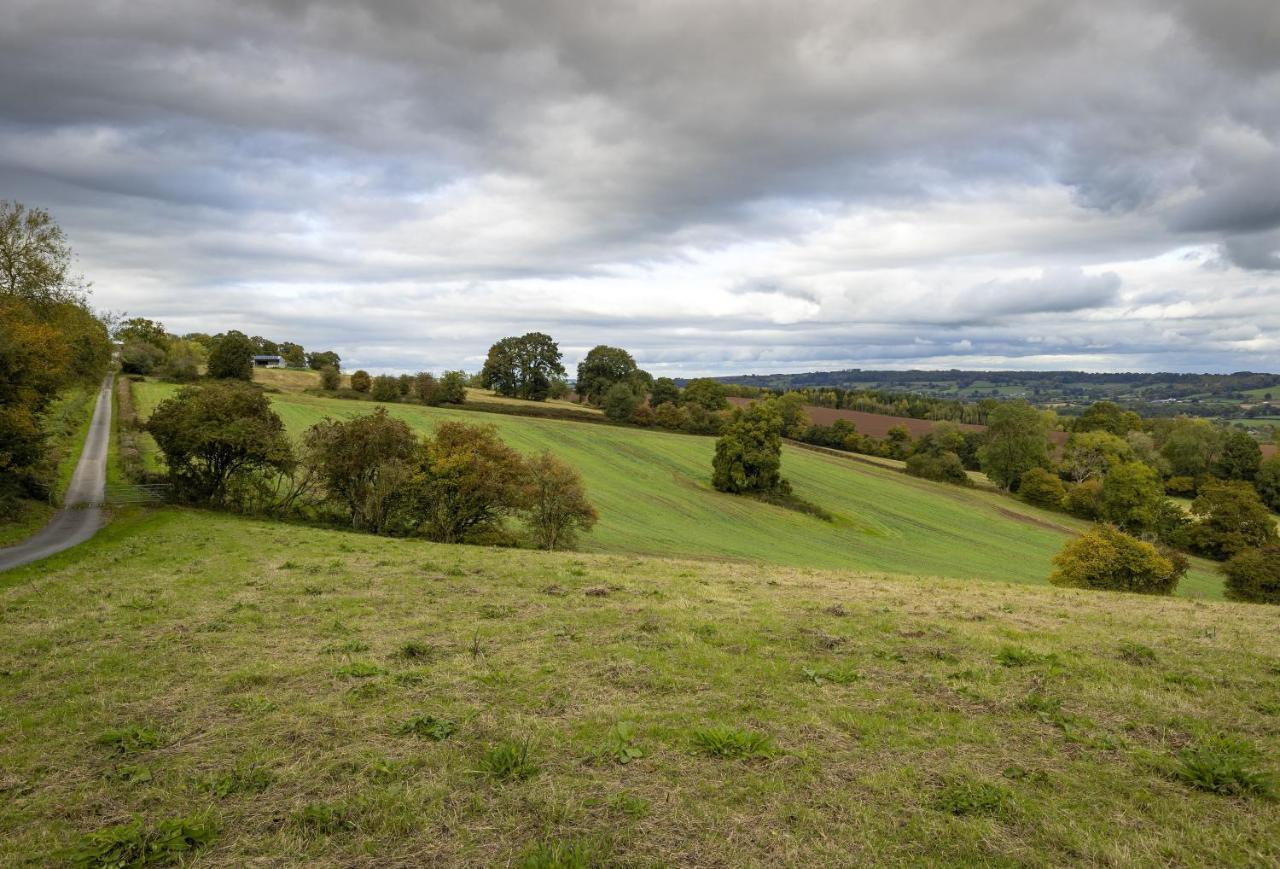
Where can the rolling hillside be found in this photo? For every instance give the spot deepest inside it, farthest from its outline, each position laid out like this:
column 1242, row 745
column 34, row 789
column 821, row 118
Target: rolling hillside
column 653, row 492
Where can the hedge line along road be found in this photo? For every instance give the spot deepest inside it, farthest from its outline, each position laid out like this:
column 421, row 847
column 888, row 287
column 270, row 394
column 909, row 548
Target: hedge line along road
column 81, row 514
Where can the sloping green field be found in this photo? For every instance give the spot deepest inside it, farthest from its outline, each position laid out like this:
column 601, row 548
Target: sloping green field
column 654, row 496
column 309, row 697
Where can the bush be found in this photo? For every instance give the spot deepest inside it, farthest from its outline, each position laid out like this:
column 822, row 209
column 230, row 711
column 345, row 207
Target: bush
column 643, row 416
column 555, row 502
column 213, row 434
column 620, row 402
column 1230, row 518
column 330, row 379
column 385, row 388
column 1106, row 558
column 362, row 465
column 1253, row 575
column 465, row 481
column 232, row 358
column 748, row 456
column 1181, row 487
column 452, row 388
column 361, row 381
column 139, row 357
column 1084, row 499
column 1042, row 488
column 944, row 467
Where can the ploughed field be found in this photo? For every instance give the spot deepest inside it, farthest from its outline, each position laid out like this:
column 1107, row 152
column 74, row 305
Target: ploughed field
column 264, row 693
column 654, row 495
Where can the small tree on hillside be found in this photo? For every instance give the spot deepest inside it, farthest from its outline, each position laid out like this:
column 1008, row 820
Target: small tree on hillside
column 1110, row 560
column 425, row 387
column 363, row 465
column 664, row 391
column 293, row 354
column 1090, row 454
column 1239, row 458
column 465, row 481
column 322, row 359
column 620, row 402
column 213, row 433
column 1042, row 488
column 1017, row 441
column 555, row 502
column 453, row 388
column 330, row 379
column 601, row 369
column 361, row 381
column 1253, row 575
column 1230, row 517
column 385, row 388
column 706, row 393
column 1267, row 482
column 232, row 357
column 1131, row 496
column 748, row 455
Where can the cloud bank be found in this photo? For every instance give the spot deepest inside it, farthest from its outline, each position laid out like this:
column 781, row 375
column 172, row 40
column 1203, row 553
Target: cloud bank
column 720, row 187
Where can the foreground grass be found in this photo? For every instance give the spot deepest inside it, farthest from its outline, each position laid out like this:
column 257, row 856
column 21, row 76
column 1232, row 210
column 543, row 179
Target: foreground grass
column 654, row 495
column 324, row 698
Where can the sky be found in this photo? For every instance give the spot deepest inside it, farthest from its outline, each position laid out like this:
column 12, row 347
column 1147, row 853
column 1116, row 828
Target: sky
column 719, row 187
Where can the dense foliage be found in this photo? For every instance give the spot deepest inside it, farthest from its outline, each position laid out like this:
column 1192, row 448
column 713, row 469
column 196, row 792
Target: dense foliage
column 1253, row 575
column 1105, row 558
column 523, row 366
column 748, row 455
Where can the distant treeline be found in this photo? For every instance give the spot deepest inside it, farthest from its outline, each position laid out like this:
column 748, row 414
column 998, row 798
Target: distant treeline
column 882, row 401
column 1190, row 383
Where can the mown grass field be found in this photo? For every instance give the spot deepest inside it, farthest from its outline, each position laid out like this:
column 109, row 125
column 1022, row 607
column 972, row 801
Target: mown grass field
column 654, row 496
column 321, row 698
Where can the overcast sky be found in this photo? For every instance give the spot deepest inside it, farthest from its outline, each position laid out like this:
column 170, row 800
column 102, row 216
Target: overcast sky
column 720, row 187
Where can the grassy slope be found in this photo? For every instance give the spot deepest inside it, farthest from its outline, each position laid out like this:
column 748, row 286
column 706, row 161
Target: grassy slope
column 653, row 492
column 233, row 641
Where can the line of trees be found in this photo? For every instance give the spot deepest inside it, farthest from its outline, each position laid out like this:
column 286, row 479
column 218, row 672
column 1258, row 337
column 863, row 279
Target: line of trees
column 50, row 340
column 225, row 447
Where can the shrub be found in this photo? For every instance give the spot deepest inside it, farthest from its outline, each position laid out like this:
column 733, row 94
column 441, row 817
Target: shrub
column 465, row 481
column 452, row 388
column 1230, row 517
column 748, row 456
column 425, row 387
column 361, row 381
column 330, row 379
column 643, row 416
column 1042, row 488
column 139, row 357
column 385, row 388
column 1084, row 499
column 620, row 402
column 215, row 433
column 1107, row 559
column 555, row 503
column 232, row 357
column 362, row 465
column 944, row 467
column 1253, row 575
column 1182, row 487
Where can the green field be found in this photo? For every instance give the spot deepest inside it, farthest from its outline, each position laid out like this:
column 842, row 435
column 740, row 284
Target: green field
column 654, row 496
column 281, row 688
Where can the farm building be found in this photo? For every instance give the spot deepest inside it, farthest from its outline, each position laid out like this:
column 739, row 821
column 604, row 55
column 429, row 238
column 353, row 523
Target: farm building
column 268, row 361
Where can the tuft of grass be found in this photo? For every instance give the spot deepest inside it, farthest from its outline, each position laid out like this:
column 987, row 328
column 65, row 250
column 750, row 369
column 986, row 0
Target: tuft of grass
column 1017, row 656
column 1137, row 654
column 132, row 739
column 1224, row 765
column 428, row 727
column 723, row 741
column 415, row 650
column 360, row 670
column 249, row 778
column 621, row 744
column 573, row 854
column 509, row 760
column 135, row 844
column 326, row 818
column 965, row 795
column 844, row 675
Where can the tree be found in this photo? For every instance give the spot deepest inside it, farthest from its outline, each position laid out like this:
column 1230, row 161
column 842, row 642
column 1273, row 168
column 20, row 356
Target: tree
column 35, row 258
column 453, row 388
column 1042, row 488
column 1084, row 499
column 523, row 367
column 555, row 502
column 1230, row 517
column 1189, row 447
column 330, row 379
column 139, row 357
column 705, row 393
column 425, row 387
column 214, row 433
column 1090, row 454
column 1267, row 482
column 142, row 330
column 1253, row 575
column 620, row 402
column 1109, row 417
column 1110, row 560
column 324, row 358
column 465, row 480
column 1131, row 496
column 748, row 455
column 232, row 357
column 943, row 466
column 1239, row 457
column 182, row 361
column 1017, row 441
column 664, row 391
column 898, row 442
column 361, row 381
column 293, row 354
column 791, row 407
column 601, row 369
column 385, row 388
column 363, row 465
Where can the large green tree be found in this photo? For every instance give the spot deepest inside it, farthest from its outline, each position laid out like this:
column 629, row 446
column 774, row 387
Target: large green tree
column 363, row 465
column 1190, row 445
column 465, row 480
column 215, row 433
column 600, row 369
column 1239, row 457
column 748, row 455
column 232, row 357
column 705, row 392
column 1132, row 495
column 1230, row 517
column 1107, row 416
column 523, row 366
column 1267, row 482
column 1017, row 441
